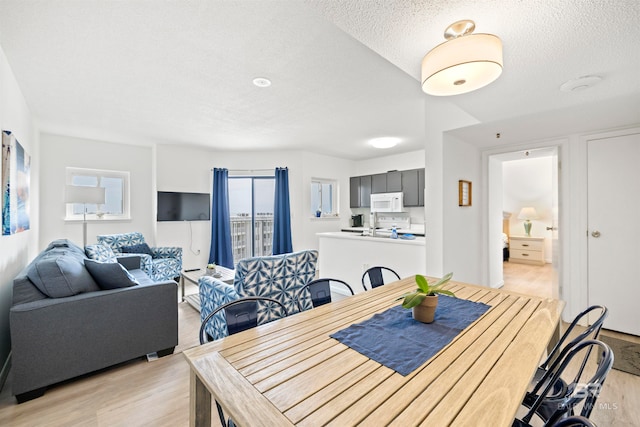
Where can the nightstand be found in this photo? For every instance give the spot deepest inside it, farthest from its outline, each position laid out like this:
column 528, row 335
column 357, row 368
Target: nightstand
column 526, row 250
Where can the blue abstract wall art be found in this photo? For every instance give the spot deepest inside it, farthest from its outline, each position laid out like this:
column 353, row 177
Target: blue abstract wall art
column 16, row 175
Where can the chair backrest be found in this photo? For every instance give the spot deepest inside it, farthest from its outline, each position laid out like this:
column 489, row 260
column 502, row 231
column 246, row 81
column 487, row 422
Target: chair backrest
column 276, row 276
column 242, row 314
column 574, row 421
column 320, row 291
column 375, row 276
column 591, row 332
column 576, row 391
column 117, row 241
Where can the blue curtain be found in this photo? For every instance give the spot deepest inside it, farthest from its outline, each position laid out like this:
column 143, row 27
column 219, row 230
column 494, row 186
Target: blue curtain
column 221, row 252
column 282, row 214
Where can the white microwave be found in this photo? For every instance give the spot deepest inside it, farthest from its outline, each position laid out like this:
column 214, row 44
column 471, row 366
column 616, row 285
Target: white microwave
column 387, row 202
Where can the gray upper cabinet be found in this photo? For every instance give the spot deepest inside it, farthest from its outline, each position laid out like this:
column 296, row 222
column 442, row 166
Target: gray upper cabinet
column 379, row 183
column 354, row 192
column 421, row 187
column 410, row 182
column 394, row 181
column 413, row 187
column 365, row 191
column 410, row 187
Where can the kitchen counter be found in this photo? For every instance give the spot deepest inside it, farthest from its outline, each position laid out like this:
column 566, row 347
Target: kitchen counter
column 380, row 237
column 417, row 231
column 346, row 256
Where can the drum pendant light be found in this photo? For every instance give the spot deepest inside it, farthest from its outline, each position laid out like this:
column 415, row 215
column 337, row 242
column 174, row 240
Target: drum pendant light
column 464, row 63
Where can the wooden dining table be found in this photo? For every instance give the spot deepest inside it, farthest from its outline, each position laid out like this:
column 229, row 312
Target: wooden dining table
column 291, row 372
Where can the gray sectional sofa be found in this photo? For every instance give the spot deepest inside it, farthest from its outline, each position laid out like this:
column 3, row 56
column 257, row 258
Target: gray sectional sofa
column 71, row 316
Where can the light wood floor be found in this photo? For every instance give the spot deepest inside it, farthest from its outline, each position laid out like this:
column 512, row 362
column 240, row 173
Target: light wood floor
column 141, row 393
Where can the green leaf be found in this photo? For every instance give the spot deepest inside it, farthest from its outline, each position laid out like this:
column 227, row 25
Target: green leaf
column 444, row 280
column 413, row 299
column 444, row 291
column 422, row 283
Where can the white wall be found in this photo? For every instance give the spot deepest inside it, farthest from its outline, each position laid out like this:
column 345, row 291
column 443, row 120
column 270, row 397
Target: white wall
column 461, row 245
column 17, row 250
column 189, row 169
column 62, row 151
column 528, row 182
column 441, row 116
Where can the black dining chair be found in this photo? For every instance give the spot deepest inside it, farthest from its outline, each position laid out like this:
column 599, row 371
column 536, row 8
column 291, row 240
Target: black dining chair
column 240, row 314
column 543, row 404
column 375, row 277
column 320, row 291
column 575, row 421
column 560, row 349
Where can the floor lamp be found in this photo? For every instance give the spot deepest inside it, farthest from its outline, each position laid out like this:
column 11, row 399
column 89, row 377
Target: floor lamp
column 84, row 195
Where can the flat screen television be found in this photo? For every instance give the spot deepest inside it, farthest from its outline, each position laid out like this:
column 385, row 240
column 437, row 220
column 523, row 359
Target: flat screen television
column 174, row 206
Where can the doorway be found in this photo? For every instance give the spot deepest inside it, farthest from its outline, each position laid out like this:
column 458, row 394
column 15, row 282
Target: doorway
column 524, row 189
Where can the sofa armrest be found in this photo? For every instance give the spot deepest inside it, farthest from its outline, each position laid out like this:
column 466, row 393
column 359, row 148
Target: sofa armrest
column 55, row 339
column 213, row 294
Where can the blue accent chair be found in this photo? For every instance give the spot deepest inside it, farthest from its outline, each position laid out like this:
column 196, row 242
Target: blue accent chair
column 164, row 263
column 280, row 277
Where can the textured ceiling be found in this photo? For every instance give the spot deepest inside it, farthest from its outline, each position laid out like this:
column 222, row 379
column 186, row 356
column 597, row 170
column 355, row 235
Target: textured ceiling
column 342, row 71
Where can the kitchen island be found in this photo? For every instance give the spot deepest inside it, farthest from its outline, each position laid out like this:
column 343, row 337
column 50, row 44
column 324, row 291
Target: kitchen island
column 346, row 256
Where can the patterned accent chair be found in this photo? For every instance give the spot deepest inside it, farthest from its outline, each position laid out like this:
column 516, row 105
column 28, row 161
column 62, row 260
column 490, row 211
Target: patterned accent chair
column 278, row 276
column 164, row 263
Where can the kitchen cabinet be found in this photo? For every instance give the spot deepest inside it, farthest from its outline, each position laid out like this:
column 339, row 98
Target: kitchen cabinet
column 379, row 183
column 394, row 181
column 365, row 191
column 410, row 182
column 360, row 191
column 354, row 192
column 421, row 187
column 413, row 187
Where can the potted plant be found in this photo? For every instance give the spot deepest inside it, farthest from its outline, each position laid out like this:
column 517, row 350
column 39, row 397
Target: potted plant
column 424, row 300
column 211, row 269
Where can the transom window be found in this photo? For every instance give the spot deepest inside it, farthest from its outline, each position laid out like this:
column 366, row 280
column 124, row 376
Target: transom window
column 116, row 187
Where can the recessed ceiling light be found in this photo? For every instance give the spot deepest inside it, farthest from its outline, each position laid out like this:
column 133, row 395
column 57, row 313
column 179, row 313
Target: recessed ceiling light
column 262, row 82
column 384, row 142
column 581, row 83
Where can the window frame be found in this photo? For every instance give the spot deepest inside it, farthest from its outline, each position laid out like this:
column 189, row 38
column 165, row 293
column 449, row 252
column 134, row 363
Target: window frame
column 335, row 209
column 100, row 173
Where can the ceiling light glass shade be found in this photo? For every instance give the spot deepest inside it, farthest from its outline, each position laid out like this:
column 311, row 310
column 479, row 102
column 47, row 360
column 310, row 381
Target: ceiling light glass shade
column 462, row 64
column 384, row 142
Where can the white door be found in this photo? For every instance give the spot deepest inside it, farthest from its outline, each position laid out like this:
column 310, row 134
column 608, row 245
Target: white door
column 613, row 233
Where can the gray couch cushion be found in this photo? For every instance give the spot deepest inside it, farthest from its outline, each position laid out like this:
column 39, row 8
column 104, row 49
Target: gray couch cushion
column 110, row 275
column 61, row 273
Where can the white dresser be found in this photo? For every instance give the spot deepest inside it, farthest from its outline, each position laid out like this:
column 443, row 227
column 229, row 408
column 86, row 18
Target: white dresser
column 526, row 250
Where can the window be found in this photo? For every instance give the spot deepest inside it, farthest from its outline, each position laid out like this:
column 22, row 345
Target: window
column 116, row 187
column 251, row 203
column 324, row 197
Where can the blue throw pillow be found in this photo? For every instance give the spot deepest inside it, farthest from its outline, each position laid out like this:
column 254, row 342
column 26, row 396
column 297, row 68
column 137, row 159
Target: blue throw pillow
column 142, row 248
column 60, row 274
column 109, row 275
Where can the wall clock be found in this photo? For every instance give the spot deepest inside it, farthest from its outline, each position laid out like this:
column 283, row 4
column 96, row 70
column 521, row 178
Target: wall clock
column 464, row 193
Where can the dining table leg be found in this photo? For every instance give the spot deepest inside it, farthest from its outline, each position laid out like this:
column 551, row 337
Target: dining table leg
column 199, row 403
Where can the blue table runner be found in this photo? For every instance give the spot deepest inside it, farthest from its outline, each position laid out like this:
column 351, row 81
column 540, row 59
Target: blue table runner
column 397, row 341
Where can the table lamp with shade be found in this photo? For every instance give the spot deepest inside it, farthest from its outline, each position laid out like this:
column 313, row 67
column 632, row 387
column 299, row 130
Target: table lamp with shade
column 84, row 195
column 527, row 213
